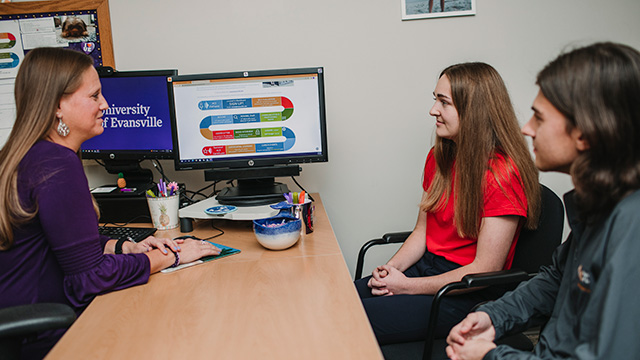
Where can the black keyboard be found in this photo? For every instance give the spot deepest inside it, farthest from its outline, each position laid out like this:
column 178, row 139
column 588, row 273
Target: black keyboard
column 134, row 234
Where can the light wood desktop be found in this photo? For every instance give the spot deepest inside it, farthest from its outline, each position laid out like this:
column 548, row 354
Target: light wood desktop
column 298, row 303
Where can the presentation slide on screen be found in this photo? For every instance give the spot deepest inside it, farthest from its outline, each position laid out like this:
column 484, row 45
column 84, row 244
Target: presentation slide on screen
column 266, row 116
column 11, row 55
column 138, row 117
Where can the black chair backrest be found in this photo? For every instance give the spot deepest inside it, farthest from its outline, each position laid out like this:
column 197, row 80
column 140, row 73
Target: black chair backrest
column 535, row 247
column 23, row 321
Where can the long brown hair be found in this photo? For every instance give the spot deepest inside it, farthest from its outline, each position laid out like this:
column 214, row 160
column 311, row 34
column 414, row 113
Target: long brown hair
column 44, row 77
column 597, row 89
column 488, row 125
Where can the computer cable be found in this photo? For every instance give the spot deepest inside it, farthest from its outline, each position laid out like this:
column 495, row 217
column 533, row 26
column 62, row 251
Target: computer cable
column 160, row 169
column 216, row 235
column 199, row 192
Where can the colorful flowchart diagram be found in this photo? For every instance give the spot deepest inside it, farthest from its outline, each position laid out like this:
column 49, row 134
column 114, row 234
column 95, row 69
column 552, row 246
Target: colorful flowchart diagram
column 208, row 130
column 8, row 60
column 290, row 139
column 246, row 103
column 7, row 40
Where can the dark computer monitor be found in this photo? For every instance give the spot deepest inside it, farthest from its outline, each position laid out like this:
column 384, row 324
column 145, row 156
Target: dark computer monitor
column 251, row 126
column 137, row 125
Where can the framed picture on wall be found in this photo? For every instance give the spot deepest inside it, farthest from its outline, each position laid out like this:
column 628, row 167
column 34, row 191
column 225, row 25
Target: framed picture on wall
column 424, row 9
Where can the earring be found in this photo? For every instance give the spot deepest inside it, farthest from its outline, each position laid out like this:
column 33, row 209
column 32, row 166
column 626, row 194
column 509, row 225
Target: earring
column 63, row 129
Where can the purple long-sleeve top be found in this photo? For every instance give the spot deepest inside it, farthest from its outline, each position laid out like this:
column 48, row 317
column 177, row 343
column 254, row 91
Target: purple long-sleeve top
column 58, row 255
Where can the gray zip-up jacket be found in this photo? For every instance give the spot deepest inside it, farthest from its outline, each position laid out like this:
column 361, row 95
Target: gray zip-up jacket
column 591, row 293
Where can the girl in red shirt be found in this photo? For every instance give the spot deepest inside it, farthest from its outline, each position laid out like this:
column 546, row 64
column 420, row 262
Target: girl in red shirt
column 480, row 187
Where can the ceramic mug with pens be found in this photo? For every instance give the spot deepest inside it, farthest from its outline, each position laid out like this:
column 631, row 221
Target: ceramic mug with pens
column 306, row 213
column 163, row 205
column 302, row 208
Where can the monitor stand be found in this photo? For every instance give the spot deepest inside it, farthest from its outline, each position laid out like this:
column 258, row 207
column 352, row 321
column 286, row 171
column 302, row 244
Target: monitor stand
column 253, row 192
column 198, row 211
column 127, row 204
column 121, row 206
column 135, row 175
column 252, row 197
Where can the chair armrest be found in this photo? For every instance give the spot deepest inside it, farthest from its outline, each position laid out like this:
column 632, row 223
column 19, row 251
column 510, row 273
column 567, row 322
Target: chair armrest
column 388, row 238
column 23, row 320
column 467, row 282
column 494, row 278
column 396, row 237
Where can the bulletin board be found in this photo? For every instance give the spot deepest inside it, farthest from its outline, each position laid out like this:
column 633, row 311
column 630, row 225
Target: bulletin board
column 31, row 24
column 82, row 25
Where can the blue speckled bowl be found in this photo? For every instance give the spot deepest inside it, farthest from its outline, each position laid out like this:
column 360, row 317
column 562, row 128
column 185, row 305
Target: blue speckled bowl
column 284, row 234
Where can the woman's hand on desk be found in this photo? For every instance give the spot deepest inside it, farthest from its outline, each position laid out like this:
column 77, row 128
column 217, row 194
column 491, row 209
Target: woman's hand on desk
column 192, row 250
column 153, row 242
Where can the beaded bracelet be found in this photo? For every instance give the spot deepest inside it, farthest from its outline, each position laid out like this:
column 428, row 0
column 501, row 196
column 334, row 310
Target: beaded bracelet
column 177, row 258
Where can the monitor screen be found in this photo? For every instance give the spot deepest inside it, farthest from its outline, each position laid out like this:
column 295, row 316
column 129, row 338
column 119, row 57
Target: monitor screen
column 250, row 126
column 249, row 119
column 137, row 125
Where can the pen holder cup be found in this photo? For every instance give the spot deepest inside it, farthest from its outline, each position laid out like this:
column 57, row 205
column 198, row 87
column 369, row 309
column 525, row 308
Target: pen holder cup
column 305, row 212
column 164, row 212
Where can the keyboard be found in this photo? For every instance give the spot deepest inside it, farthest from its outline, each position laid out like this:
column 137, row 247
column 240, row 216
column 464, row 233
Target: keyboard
column 134, row 234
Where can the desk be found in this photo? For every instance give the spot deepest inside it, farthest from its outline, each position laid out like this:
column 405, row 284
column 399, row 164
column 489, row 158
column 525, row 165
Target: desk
column 298, row 303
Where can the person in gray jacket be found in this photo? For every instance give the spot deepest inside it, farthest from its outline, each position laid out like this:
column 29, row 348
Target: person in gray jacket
column 586, row 123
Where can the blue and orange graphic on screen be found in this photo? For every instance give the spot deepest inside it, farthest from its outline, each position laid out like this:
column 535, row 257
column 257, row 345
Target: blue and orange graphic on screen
column 214, row 127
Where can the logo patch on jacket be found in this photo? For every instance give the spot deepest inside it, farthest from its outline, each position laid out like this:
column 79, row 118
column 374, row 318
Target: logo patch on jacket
column 584, row 280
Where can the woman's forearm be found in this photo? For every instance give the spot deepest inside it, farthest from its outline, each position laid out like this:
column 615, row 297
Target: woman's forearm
column 159, row 261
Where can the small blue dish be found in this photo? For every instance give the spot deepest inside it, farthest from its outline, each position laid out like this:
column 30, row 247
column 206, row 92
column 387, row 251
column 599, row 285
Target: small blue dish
column 278, row 232
column 281, row 205
column 220, row 210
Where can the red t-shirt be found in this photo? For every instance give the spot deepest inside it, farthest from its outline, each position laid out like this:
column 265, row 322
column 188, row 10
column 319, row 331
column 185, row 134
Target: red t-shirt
column 442, row 237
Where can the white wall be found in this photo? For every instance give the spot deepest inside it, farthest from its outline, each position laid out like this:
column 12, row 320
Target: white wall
column 380, row 73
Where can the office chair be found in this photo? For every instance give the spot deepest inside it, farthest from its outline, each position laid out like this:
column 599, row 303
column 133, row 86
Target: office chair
column 23, row 321
column 534, row 249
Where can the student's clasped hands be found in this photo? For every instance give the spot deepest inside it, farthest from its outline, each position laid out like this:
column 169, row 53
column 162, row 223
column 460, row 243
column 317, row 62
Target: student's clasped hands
column 472, row 338
column 387, row 280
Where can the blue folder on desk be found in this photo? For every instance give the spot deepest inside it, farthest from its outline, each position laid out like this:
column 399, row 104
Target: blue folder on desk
column 224, row 251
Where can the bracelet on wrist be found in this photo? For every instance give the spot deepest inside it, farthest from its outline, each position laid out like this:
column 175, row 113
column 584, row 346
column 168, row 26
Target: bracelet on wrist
column 177, row 262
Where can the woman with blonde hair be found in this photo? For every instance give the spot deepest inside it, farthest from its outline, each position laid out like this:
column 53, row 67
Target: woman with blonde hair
column 50, row 249
column 480, row 187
